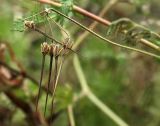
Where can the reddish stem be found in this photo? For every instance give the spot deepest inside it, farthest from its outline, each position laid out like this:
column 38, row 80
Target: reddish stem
column 79, row 10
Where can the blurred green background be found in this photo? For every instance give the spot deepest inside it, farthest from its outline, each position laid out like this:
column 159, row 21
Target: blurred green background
column 127, row 82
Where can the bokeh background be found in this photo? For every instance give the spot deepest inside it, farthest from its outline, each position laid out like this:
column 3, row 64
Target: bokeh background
column 127, row 82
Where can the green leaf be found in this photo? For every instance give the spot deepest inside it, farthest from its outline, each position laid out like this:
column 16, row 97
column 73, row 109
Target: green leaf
column 18, row 25
column 67, row 7
column 37, row 18
column 118, row 26
column 135, row 34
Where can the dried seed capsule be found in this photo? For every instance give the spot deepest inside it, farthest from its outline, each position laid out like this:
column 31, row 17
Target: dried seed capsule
column 45, row 48
column 56, row 50
column 67, row 46
column 29, row 24
column 45, row 12
column 61, row 51
column 51, row 48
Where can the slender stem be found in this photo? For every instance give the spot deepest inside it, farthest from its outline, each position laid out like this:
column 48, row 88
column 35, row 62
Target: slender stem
column 79, row 10
column 102, row 38
column 41, row 32
column 40, row 83
column 98, row 36
column 102, row 21
column 80, row 39
column 146, row 42
column 103, row 107
column 49, row 80
column 56, row 81
column 50, row 26
column 60, row 27
column 71, row 115
column 55, row 76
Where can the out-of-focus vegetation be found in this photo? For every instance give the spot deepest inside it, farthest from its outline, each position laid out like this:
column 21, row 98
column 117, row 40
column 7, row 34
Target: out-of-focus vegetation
column 126, row 81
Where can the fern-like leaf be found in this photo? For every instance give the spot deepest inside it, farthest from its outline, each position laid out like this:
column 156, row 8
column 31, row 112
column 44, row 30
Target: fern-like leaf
column 135, row 34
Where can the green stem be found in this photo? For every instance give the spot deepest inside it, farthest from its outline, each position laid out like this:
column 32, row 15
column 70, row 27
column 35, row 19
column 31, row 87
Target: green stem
column 103, row 107
column 71, row 115
column 102, row 38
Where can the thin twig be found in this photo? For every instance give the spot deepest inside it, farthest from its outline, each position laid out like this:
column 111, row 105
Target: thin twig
column 46, row 35
column 79, row 10
column 94, row 24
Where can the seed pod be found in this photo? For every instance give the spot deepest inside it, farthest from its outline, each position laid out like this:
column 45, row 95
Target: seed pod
column 51, row 48
column 57, row 50
column 45, row 12
column 45, row 48
column 29, row 24
column 67, row 45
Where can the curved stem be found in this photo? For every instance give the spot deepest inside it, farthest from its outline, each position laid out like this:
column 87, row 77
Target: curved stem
column 102, row 38
column 100, row 20
column 80, row 39
column 98, row 36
